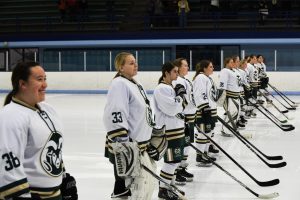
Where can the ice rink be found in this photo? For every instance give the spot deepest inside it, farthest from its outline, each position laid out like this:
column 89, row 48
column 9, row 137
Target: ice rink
column 85, row 139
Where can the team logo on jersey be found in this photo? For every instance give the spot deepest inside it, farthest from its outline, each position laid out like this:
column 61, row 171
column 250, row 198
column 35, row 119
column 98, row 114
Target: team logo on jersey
column 213, row 94
column 51, row 157
column 239, row 80
column 149, row 117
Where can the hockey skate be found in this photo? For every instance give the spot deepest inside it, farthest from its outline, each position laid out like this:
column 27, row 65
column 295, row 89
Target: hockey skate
column 202, row 162
column 213, row 149
column 223, row 133
column 165, row 194
column 180, row 180
column 182, row 172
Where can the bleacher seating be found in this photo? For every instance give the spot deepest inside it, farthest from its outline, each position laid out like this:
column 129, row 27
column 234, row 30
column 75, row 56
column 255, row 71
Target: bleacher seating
column 43, row 16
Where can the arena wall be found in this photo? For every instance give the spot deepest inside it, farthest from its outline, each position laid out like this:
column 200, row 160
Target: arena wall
column 98, row 82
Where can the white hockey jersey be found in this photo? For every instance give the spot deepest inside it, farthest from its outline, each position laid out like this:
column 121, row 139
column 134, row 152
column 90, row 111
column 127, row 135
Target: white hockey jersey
column 191, row 108
column 244, row 79
column 253, row 75
column 126, row 113
column 229, row 82
column 30, row 150
column 205, row 92
column 166, row 107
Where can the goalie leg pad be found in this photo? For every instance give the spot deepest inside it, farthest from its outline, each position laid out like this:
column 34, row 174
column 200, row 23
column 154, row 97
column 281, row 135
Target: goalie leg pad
column 143, row 185
column 127, row 159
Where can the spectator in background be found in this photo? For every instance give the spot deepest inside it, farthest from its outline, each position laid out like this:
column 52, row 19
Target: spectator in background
column 263, row 11
column 73, row 9
column 83, row 6
column 183, row 9
column 62, row 7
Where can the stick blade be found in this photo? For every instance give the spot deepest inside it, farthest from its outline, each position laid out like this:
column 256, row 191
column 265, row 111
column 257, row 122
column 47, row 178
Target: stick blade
column 274, row 157
column 277, row 165
column 269, row 183
column 290, row 128
column 269, row 196
column 284, row 111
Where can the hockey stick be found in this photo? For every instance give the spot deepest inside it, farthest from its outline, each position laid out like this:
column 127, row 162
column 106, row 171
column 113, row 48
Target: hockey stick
column 271, row 102
column 288, row 127
column 272, row 115
column 249, row 145
column 261, row 196
column 260, row 183
column 283, row 95
column 289, row 108
column 172, row 188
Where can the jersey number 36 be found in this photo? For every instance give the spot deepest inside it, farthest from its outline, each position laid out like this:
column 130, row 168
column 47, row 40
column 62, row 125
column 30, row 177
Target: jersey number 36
column 11, row 160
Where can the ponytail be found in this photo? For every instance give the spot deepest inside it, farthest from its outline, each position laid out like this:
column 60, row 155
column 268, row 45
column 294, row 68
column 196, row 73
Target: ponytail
column 8, row 97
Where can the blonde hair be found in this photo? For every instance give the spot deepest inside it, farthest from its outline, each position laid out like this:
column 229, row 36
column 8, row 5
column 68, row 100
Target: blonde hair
column 244, row 61
column 120, row 60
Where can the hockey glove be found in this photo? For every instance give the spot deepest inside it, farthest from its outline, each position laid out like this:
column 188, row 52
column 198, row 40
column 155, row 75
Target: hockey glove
column 68, row 188
column 180, row 90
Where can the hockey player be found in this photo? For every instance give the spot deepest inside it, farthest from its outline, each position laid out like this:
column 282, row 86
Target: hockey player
column 263, row 78
column 229, row 83
column 129, row 123
column 205, row 99
column 189, row 113
column 254, row 81
column 169, row 103
column 241, row 122
column 245, row 90
column 31, row 141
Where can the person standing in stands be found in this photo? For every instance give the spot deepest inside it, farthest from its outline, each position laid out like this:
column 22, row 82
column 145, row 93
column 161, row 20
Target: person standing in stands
column 183, row 9
column 62, row 7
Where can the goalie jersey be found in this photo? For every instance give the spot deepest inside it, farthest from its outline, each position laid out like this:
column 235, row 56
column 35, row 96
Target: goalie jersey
column 127, row 115
column 30, row 151
column 230, row 82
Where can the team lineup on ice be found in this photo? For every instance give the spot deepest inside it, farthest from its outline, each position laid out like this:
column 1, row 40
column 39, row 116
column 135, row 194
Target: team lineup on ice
column 189, row 139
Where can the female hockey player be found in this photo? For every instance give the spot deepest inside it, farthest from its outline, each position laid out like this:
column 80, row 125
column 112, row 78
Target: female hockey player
column 169, row 102
column 189, row 113
column 205, row 99
column 230, row 84
column 129, row 123
column 31, row 141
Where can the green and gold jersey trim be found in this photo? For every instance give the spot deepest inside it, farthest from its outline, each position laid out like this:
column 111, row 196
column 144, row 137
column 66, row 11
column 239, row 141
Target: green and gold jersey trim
column 47, row 193
column 174, row 134
column 14, row 189
column 232, row 94
column 122, row 132
column 190, row 118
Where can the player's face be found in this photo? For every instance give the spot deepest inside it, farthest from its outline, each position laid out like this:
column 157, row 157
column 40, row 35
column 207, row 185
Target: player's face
column 34, row 88
column 209, row 69
column 174, row 74
column 260, row 59
column 230, row 64
column 237, row 63
column 254, row 60
column 184, row 68
column 130, row 67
